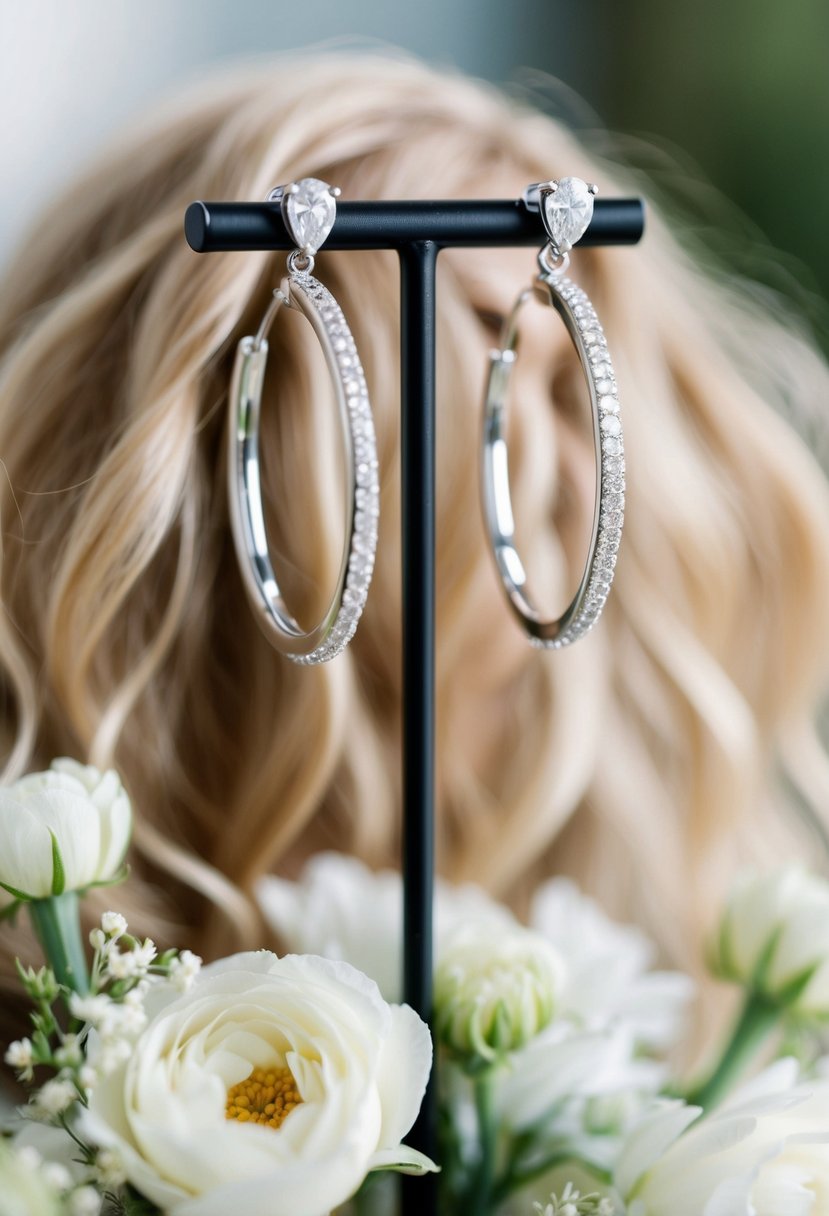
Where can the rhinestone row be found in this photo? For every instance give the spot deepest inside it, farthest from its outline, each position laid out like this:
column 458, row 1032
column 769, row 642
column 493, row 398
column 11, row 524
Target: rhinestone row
column 612, row 472
column 363, row 541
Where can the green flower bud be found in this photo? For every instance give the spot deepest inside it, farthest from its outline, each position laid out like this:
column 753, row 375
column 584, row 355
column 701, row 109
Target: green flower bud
column 495, row 989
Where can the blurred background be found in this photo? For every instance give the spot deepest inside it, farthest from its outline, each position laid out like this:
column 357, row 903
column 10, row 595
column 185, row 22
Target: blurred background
column 725, row 107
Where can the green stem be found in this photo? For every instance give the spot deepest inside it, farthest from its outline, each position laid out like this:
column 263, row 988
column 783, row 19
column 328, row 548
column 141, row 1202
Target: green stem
column 482, row 1183
column 756, row 1021
column 57, row 924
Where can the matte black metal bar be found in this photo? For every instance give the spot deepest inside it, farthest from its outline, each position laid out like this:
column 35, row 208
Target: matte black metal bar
column 218, row 227
column 417, row 456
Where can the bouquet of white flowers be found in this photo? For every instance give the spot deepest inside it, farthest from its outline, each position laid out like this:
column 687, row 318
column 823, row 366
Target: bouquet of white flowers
column 286, row 1085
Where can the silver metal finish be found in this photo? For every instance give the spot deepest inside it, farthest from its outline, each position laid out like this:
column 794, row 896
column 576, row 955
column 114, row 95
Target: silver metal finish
column 301, row 291
column 587, row 335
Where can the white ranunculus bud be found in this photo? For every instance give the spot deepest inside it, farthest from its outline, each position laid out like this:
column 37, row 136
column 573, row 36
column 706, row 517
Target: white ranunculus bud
column 774, row 938
column 494, row 990
column 61, row 830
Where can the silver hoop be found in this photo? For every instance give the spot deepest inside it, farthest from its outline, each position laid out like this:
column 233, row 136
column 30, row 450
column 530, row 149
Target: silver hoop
column 587, row 335
column 301, row 291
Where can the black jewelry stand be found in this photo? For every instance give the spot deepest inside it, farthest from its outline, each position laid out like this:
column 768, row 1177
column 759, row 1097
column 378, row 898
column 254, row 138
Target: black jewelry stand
column 418, row 231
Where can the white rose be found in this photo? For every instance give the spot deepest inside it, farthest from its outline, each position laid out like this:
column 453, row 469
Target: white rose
column 774, row 938
column 765, row 1152
column 333, row 1075
column 64, row 829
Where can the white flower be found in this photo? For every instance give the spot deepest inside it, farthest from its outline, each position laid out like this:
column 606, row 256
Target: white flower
column 113, row 924
column 97, row 939
column 774, row 938
column 92, row 1009
column 342, row 910
column 85, row 1201
column 63, row 829
column 608, row 981
column 54, row 1097
column 561, row 1066
column 495, row 989
column 109, row 1168
column 184, row 969
column 69, row 1054
column 56, row 1175
column 19, row 1055
column 339, row 1076
column 765, row 1152
column 124, row 964
column 23, row 1189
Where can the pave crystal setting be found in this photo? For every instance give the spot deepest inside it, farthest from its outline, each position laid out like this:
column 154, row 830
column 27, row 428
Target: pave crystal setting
column 309, row 209
column 591, row 344
column 588, row 337
column 365, row 510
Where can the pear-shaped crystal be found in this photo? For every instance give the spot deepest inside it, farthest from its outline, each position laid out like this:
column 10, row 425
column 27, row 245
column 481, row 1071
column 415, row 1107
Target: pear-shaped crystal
column 309, row 210
column 567, row 212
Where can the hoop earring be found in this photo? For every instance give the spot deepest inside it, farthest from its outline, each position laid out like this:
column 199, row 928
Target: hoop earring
column 566, row 207
column 308, row 210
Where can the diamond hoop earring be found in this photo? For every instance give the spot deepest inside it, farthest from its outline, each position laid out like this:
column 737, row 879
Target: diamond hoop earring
column 567, row 208
column 308, row 210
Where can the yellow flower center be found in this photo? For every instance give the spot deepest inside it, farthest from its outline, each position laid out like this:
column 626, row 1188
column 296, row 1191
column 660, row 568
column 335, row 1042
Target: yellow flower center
column 267, row 1096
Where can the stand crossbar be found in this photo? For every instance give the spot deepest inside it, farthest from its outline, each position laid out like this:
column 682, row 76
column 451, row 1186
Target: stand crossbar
column 417, row 231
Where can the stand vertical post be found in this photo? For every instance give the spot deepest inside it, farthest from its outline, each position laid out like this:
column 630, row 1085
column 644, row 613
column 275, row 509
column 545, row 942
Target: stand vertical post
column 418, row 262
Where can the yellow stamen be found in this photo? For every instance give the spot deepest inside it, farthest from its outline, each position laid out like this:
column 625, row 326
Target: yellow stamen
column 267, row 1097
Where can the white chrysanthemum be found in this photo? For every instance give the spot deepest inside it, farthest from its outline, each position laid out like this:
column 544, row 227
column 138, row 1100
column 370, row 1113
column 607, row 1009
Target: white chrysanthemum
column 765, row 1152
column 64, row 829
column 774, row 938
column 608, row 981
column 342, row 910
column 273, row 1086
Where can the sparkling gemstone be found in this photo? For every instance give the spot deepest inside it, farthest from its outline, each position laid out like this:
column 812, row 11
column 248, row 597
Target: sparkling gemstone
column 309, row 210
column 611, row 425
column 609, row 404
column 568, row 211
column 611, row 446
column 604, row 387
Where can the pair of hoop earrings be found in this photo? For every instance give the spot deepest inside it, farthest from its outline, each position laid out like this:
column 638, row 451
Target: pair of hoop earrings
column 308, row 210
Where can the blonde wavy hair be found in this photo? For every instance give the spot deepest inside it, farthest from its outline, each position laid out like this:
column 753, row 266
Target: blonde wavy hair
column 645, row 760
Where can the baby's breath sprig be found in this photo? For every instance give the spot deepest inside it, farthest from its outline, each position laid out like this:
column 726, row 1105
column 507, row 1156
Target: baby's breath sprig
column 572, row 1203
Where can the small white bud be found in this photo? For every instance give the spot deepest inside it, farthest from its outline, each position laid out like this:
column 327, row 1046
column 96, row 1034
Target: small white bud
column 92, row 1009
column 109, row 1168
column 113, row 924
column 97, row 939
column 56, row 1175
column 19, row 1055
column 55, row 1097
column 85, row 1201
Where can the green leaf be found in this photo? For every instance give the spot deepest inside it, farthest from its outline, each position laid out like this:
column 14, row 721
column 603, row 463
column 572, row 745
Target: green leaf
column 58, row 872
